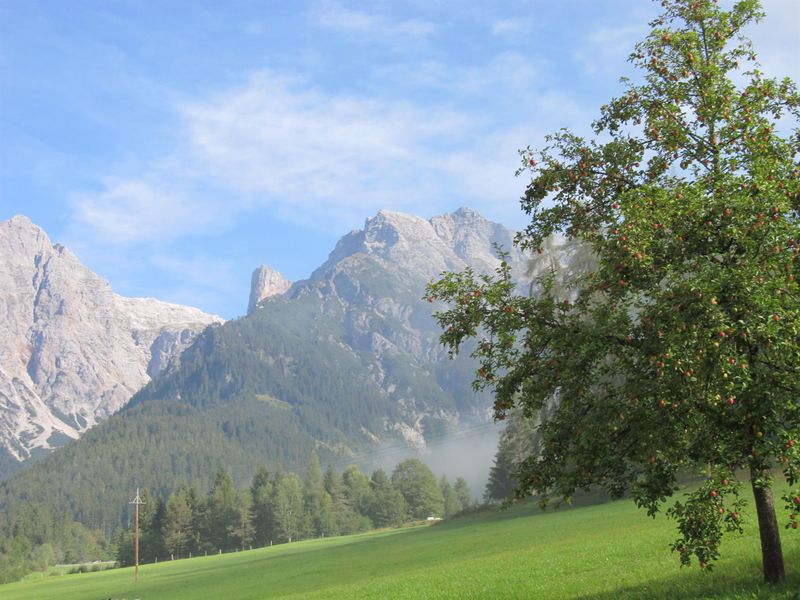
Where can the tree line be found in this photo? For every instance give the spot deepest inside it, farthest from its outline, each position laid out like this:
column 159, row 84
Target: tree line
column 281, row 507
column 34, row 538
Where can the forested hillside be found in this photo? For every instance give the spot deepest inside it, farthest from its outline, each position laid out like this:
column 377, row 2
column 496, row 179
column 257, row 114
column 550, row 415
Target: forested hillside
column 347, row 363
column 256, row 391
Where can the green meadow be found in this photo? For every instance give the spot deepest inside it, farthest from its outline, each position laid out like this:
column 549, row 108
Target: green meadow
column 607, row 551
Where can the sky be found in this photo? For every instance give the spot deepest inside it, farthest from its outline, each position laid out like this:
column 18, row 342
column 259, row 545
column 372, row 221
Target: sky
column 175, row 146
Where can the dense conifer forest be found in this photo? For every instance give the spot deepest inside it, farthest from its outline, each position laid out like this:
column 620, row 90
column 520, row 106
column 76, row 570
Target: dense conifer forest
column 277, row 507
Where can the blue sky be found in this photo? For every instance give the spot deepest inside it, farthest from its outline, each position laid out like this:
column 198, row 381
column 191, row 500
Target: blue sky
column 175, row 146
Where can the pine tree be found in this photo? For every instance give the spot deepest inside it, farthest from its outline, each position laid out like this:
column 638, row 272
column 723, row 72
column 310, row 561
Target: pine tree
column 452, row 503
column 317, row 501
column 387, row 507
column 261, row 490
column 179, row 521
column 242, row 530
column 287, row 507
column 464, row 494
column 221, row 515
column 357, row 489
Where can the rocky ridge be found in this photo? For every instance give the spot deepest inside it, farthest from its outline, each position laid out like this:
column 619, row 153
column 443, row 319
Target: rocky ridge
column 374, row 280
column 347, row 361
column 73, row 352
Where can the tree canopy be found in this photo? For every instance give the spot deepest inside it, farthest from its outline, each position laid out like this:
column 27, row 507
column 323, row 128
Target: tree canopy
column 679, row 349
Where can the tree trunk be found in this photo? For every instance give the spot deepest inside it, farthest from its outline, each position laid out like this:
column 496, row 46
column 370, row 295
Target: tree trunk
column 771, row 552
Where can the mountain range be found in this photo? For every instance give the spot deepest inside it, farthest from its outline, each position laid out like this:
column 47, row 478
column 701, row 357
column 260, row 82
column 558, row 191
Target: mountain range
column 347, row 361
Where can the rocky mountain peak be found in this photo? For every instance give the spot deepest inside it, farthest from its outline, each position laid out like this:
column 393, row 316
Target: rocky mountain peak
column 264, row 283
column 22, row 233
column 426, row 247
column 72, row 351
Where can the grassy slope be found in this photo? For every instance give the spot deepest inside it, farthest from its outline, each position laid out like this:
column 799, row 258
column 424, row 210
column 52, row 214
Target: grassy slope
column 609, row 551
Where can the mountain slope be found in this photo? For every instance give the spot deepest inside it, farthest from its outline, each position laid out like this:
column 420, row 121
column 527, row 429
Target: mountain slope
column 73, row 352
column 347, row 361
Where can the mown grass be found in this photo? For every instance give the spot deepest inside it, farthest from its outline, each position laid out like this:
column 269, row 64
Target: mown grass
column 610, row 551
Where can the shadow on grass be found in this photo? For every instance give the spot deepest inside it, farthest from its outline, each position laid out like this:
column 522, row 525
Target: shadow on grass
column 697, row 585
column 523, row 508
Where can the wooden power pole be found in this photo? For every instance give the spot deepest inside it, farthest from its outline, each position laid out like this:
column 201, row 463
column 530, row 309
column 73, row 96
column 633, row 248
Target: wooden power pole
column 137, row 501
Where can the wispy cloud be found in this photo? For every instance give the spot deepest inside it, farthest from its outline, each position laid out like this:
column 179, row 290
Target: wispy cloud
column 606, row 48
column 327, row 160
column 333, row 15
column 201, row 270
column 131, row 211
column 504, row 27
column 505, row 78
column 204, row 280
column 314, row 156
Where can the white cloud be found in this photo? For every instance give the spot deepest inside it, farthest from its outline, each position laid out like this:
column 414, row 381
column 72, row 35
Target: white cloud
column 319, row 159
column 505, row 76
column 130, row 211
column 333, row 15
column 504, row 27
column 607, row 48
column 316, row 157
column 328, row 160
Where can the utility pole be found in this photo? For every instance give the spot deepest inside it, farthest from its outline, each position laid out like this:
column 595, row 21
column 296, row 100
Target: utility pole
column 137, row 501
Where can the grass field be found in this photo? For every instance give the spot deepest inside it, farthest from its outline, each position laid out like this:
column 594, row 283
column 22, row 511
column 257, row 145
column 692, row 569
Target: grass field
column 609, row 551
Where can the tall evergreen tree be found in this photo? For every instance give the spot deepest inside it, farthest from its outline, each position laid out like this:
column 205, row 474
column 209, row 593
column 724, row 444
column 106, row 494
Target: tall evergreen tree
column 517, row 442
column 387, row 507
column 287, row 507
column 179, row 534
column 261, row 491
column 152, row 542
column 345, row 517
column 464, row 494
column 452, row 503
column 317, row 501
column 221, row 515
column 357, row 489
column 242, row 530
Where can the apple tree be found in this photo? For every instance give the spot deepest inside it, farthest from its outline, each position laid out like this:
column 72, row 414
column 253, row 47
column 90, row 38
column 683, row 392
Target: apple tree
column 679, row 350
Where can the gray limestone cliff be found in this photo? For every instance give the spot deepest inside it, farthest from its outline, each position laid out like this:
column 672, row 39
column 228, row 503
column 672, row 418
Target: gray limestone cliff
column 265, row 283
column 72, row 351
column 373, row 282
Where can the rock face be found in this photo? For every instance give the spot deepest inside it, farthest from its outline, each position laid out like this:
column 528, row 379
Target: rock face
column 424, row 248
column 379, row 273
column 373, row 282
column 72, row 351
column 264, row 283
